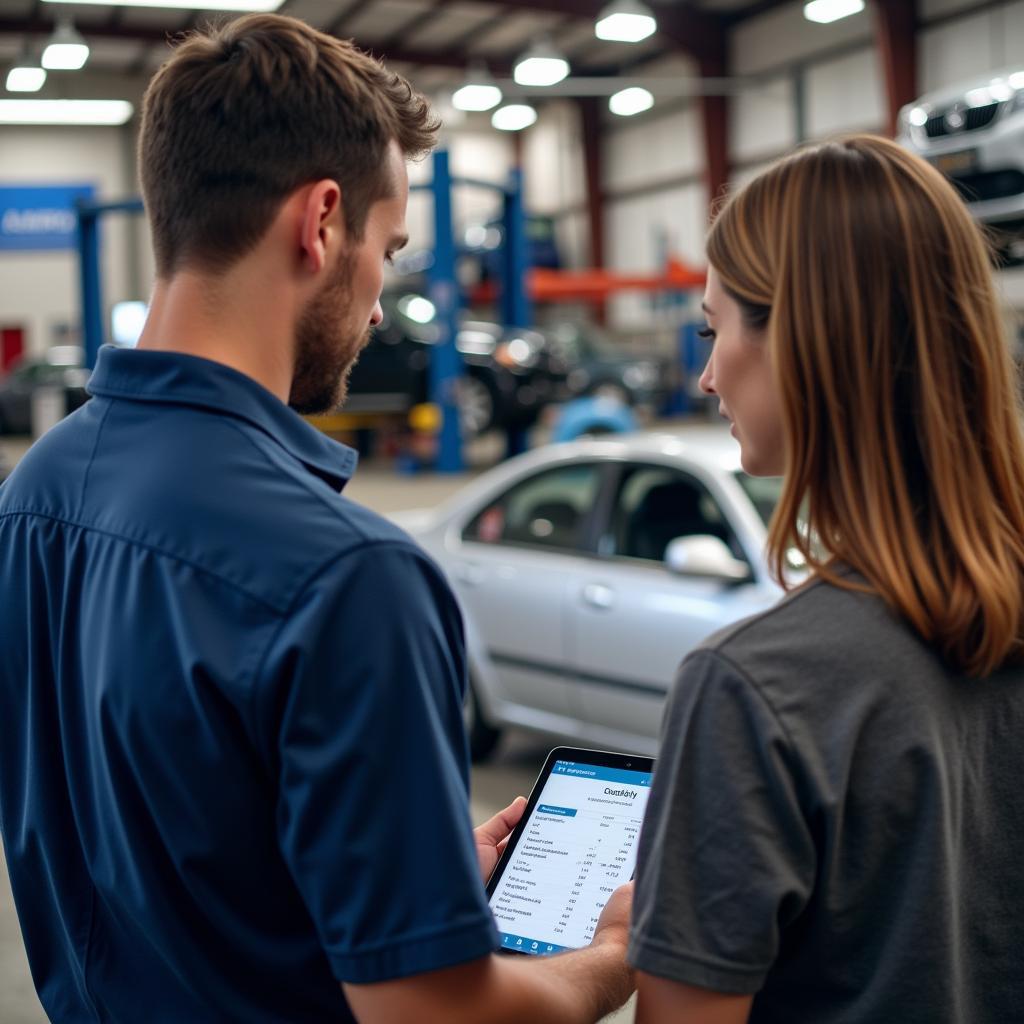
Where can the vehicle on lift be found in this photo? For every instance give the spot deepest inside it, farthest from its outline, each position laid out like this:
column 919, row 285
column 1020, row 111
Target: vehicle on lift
column 509, row 376
column 62, row 367
column 597, row 365
column 974, row 133
column 587, row 570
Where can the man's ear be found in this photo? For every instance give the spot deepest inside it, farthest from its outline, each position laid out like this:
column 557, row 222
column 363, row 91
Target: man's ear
column 323, row 226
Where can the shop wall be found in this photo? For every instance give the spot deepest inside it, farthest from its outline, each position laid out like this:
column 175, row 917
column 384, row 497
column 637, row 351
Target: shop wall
column 40, row 290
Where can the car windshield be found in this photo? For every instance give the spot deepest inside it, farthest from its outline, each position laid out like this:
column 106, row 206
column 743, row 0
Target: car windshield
column 763, row 491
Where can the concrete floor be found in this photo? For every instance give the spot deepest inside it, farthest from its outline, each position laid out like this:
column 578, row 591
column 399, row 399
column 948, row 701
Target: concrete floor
column 511, row 771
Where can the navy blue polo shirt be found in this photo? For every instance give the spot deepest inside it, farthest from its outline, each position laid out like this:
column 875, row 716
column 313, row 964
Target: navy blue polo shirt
column 232, row 763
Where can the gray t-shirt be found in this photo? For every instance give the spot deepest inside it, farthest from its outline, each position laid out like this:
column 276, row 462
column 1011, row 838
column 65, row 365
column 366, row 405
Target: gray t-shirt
column 837, row 823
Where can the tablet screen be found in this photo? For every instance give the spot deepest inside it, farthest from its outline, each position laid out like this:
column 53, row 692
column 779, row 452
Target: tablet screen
column 578, row 845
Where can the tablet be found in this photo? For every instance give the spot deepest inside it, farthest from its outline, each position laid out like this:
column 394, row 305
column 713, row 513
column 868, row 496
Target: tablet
column 576, row 843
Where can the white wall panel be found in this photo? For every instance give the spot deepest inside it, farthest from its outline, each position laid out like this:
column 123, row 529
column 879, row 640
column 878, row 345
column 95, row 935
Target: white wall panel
column 652, row 150
column 784, row 35
column 846, row 95
column 958, row 50
column 553, row 161
column 641, row 231
column 762, row 120
column 40, row 290
column 1010, row 35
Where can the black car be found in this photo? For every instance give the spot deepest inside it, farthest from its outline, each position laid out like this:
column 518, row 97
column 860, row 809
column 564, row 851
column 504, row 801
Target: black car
column 61, row 368
column 509, row 374
column 596, row 365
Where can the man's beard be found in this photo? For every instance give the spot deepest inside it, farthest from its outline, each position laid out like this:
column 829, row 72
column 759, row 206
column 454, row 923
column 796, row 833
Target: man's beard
column 326, row 346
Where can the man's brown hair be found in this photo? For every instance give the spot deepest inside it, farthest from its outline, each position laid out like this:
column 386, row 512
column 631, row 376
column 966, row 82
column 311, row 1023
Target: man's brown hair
column 243, row 114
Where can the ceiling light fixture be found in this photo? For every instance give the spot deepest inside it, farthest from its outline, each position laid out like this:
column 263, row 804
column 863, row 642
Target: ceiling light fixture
column 827, row 11
column 541, row 65
column 513, row 117
column 25, row 76
column 626, row 21
column 91, row 112
column 66, row 49
column 256, row 6
column 634, row 100
column 479, row 91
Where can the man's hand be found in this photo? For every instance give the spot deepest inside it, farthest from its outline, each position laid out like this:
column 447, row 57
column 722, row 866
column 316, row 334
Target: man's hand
column 492, row 836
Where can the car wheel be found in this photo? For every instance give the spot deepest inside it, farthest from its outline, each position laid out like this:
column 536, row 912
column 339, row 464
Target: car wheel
column 483, row 737
column 476, row 406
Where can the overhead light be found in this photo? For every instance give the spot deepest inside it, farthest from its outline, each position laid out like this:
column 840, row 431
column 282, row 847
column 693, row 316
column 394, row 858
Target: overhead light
column 25, row 76
column 514, row 117
column 66, row 50
column 256, row 6
column 826, row 11
column 627, row 21
column 479, row 91
column 628, row 102
column 542, row 64
column 92, row 112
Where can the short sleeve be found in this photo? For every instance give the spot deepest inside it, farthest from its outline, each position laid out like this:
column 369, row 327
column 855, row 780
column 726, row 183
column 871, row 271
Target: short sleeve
column 363, row 714
column 726, row 858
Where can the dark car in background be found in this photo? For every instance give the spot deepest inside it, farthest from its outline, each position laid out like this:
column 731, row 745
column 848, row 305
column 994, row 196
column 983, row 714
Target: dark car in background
column 597, row 365
column 509, row 374
column 61, row 368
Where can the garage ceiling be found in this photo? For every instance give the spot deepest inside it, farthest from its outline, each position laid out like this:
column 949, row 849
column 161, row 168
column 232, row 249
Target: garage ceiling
column 429, row 41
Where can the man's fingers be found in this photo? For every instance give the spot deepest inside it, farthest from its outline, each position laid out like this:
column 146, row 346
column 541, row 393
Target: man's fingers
column 498, row 828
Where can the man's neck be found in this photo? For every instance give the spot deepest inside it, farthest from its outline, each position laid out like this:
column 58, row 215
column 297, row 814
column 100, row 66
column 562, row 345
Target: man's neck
column 238, row 320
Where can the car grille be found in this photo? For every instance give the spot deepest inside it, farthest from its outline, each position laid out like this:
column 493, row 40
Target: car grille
column 974, row 118
column 989, row 184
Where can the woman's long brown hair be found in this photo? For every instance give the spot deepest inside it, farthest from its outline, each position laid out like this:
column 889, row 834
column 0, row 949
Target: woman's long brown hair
column 904, row 450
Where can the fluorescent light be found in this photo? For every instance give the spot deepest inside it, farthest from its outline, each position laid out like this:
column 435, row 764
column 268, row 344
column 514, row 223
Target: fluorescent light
column 513, row 117
column 541, row 65
column 98, row 112
column 259, row 6
column 627, row 21
column 474, row 96
column 826, row 11
column 66, row 50
column 25, row 77
column 628, row 102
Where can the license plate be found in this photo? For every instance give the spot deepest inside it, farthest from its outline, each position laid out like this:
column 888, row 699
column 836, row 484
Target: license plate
column 956, row 163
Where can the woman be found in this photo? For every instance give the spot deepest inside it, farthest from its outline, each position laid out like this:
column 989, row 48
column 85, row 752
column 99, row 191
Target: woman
column 836, row 826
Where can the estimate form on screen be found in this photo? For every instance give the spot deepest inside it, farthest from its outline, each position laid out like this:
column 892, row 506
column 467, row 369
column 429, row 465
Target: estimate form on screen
column 578, row 846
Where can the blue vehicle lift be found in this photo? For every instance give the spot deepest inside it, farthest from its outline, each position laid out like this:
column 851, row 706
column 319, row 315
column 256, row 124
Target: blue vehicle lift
column 446, row 364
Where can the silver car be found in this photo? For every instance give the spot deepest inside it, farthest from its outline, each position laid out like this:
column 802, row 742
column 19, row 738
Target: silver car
column 587, row 570
column 974, row 133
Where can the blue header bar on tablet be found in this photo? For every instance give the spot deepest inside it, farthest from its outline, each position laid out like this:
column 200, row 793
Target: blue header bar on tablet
column 599, row 773
column 565, row 812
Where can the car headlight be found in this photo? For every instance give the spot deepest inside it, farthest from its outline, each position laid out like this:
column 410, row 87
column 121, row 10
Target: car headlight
column 641, row 375
column 516, row 354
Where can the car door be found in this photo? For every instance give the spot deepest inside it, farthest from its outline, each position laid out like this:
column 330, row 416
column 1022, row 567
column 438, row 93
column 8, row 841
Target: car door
column 515, row 566
column 632, row 619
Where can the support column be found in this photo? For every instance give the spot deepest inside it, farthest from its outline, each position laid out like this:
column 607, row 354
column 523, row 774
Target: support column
column 590, row 123
column 715, row 123
column 896, row 39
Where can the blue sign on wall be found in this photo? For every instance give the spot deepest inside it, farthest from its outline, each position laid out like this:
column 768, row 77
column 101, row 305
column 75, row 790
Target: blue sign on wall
column 40, row 216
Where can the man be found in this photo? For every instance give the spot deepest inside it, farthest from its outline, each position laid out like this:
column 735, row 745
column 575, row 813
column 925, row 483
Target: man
column 232, row 768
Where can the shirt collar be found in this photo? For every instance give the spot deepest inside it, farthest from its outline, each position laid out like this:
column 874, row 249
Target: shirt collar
column 178, row 379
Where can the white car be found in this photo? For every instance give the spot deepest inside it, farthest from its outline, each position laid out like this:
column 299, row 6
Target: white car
column 587, row 570
column 974, row 133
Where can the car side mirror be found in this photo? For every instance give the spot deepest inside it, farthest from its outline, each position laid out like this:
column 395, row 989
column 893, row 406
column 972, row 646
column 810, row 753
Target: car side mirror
column 706, row 556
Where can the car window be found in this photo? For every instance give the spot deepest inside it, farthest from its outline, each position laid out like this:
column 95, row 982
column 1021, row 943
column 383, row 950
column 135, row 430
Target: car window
column 547, row 510
column 656, row 504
